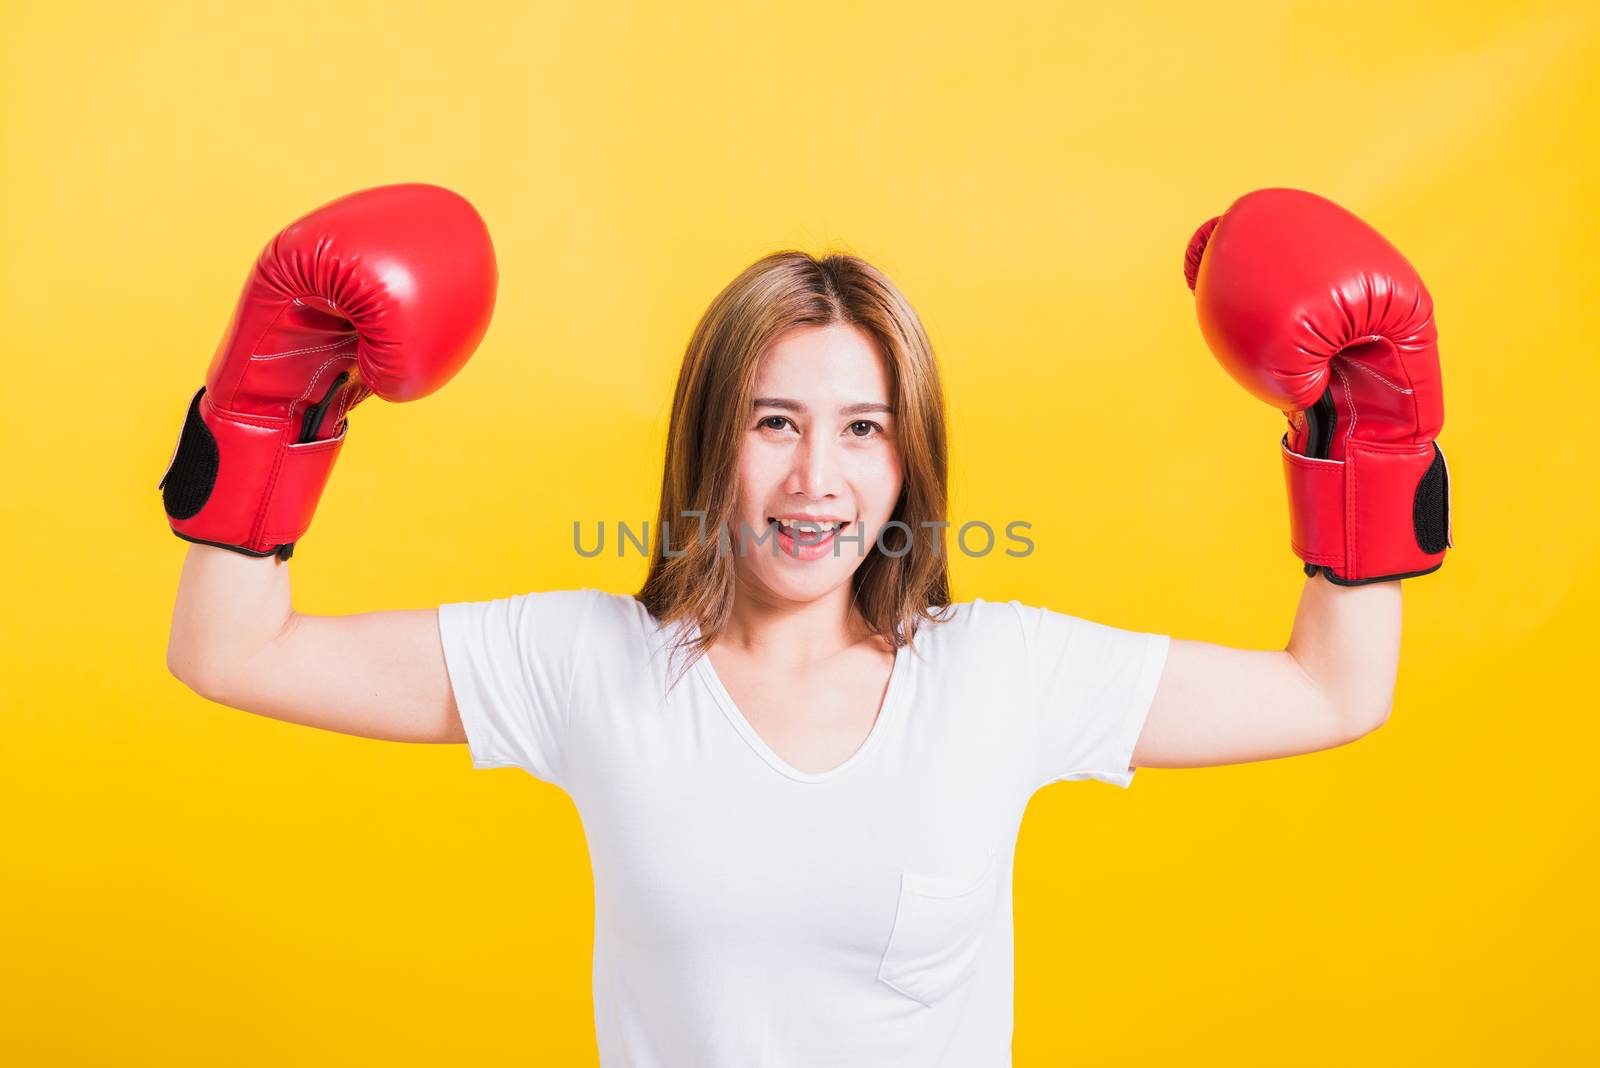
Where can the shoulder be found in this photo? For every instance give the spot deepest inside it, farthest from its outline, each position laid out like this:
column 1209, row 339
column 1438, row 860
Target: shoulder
column 616, row 629
column 984, row 627
column 977, row 622
column 615, row 609
column 572, row 614
column 599, row 618
column 979, row 614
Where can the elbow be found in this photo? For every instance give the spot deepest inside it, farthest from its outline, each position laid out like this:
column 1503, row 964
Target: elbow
column 178, row 666
column 1362, row 722
column 186, row 670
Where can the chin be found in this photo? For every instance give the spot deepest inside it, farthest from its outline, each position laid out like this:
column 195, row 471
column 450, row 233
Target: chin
column 804, row 583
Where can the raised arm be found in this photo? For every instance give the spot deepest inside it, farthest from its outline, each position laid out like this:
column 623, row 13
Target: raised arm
column 237, row 641
column 384, row 293
column 1332, row 684
column 1312, row 311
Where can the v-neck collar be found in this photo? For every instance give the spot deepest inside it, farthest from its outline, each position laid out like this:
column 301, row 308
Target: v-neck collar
column 887, row 711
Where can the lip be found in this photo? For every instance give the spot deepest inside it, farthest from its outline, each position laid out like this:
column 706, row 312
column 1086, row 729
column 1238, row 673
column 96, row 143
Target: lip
column 812, row 518
column 808, row 544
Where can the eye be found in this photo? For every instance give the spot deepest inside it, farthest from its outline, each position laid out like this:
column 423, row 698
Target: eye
column 869, row 424
column 765, row 422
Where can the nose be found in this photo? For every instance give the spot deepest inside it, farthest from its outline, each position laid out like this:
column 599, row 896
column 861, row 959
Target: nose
column 814, row 466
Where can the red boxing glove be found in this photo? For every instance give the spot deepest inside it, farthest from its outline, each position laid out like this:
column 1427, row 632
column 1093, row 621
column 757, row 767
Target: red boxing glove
column 384, row 291
column 1311, row 310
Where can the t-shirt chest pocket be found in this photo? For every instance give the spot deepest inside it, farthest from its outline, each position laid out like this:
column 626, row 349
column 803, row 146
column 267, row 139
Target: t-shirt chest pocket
column 939, row 928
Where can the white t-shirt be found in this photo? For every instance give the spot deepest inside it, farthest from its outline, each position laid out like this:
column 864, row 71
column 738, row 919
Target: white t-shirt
column 750, row 915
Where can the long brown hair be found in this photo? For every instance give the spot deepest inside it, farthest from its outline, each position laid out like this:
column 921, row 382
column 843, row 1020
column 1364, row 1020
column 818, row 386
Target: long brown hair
column 716, row 384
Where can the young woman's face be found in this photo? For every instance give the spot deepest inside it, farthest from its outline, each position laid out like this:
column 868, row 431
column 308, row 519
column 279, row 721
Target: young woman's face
column 819, row 445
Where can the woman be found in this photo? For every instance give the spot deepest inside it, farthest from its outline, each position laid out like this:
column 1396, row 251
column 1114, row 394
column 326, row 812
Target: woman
column 801, row 768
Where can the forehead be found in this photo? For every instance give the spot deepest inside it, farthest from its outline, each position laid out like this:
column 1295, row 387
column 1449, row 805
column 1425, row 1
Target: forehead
column 823, row 361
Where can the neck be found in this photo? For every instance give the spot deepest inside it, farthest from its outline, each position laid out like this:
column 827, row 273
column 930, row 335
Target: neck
column 793, row 634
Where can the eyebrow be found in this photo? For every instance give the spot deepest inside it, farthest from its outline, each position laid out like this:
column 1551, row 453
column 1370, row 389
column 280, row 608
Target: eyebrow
column 787, row 405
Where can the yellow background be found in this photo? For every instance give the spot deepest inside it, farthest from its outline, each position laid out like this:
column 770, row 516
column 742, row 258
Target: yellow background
column 184, row 884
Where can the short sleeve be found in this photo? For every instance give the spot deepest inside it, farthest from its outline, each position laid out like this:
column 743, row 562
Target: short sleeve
column 511, row 663
column 1092, row 689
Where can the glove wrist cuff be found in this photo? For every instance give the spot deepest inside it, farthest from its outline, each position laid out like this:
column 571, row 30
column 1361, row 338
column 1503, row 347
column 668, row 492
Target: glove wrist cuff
column 243, row 483
column 1381, row 513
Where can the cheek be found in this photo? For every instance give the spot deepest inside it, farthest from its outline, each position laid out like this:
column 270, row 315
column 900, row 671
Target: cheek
column 880, row 482
column 759, row 472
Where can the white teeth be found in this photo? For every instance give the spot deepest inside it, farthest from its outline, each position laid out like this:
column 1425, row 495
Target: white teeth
column 808, row 526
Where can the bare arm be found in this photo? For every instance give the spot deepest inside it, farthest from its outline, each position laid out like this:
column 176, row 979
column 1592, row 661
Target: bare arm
column 237, row 640
column 1331, row 685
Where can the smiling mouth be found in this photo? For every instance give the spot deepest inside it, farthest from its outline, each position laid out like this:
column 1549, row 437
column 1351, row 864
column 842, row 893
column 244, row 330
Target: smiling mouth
column 805, row 532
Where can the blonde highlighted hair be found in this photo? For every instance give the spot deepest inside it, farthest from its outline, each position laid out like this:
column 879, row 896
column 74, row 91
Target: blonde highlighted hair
column 893, row 593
